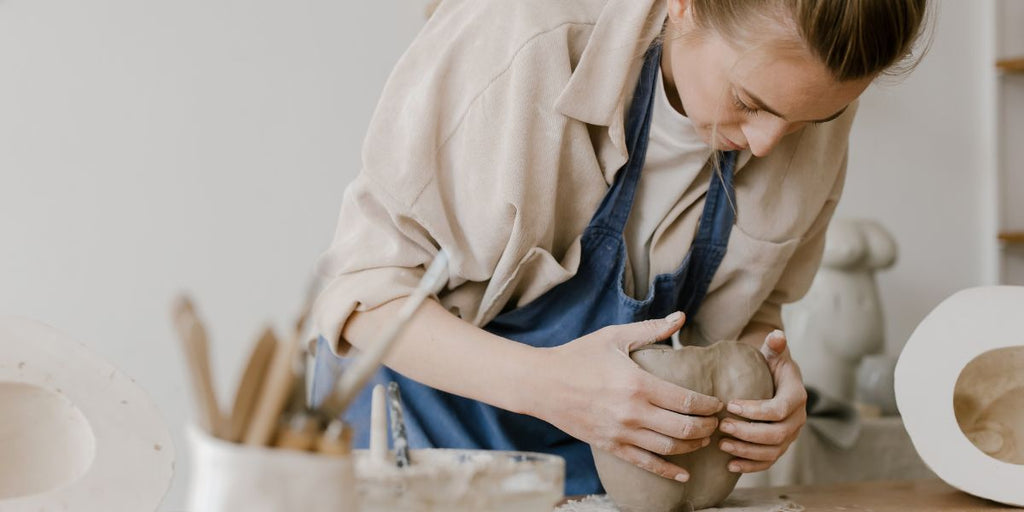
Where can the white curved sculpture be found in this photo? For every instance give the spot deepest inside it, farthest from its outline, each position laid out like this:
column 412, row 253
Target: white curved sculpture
column 75, row 433
column 960, row 390
column 840, row 319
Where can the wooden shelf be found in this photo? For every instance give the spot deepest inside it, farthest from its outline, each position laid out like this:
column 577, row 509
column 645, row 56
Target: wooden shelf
column 1011, row 65
column 1012, row 237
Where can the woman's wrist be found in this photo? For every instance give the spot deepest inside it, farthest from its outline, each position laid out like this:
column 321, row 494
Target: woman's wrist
column 532, row 383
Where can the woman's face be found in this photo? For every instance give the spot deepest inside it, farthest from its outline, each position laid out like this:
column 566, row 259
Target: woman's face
column 756, row 91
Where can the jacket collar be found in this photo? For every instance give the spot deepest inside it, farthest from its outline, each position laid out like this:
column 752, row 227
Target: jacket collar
column 602, row 83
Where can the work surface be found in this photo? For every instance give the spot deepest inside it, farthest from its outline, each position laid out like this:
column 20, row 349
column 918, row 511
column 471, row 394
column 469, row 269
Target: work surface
column 888, row 496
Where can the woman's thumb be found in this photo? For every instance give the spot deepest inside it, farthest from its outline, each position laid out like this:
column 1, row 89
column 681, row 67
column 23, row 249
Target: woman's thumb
column 774, row 345
column 641, row 334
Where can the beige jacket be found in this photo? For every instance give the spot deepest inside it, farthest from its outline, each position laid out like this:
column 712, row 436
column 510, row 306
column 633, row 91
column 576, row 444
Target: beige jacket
column 497, row 135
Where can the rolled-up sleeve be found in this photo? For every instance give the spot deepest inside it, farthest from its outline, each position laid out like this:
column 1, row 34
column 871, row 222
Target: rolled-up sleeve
column 378, row 254
column 452, row 160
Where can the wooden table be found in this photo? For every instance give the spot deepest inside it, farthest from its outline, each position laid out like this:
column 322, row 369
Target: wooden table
column 884, row 496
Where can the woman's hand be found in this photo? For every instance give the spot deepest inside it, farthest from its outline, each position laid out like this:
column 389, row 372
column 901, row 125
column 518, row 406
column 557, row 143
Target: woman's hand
column 599, row 395
column 776, row 422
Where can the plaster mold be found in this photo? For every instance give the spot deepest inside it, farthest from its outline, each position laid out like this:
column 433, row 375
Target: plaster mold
column 960, row 390
column 75, row 433
column 988, row 402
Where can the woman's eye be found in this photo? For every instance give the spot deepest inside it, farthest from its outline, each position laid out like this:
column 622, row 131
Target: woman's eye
column 743, row 107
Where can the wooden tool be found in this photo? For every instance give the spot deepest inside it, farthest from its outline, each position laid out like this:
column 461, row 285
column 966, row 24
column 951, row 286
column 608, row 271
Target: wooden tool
column 398, row 436
column 196, row 347
column 300, row 432
column 273, row 394
column 336, row 440
column 249, row 386
column 359, row 373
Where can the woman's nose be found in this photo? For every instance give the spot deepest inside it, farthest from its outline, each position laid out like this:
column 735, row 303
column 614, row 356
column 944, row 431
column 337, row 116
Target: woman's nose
column 764, row 134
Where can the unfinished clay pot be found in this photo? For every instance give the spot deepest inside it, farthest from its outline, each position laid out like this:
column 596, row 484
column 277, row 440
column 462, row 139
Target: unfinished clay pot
column 727, row 370
column 960, row 390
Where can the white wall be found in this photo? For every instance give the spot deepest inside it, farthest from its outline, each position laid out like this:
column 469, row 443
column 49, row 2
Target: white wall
column 150, row 147
column 201, row 145
column 921, row 163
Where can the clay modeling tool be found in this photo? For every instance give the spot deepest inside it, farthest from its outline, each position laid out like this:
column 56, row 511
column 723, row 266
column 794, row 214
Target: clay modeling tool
column 378, row 426
column 297, row 398
column 274, row 393
column 300, row 432
column 249, row 386
column 336, row 440
column 398, row 435
column 363, row 367
column 196, row 347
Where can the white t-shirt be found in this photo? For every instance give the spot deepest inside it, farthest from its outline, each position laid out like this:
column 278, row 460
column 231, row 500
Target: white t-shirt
column 675, row 156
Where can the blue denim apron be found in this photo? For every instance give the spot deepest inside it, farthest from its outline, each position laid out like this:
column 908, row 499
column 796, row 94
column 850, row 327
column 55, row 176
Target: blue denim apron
column 588, row 301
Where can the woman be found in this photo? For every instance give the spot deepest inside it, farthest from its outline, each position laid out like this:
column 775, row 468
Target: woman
column 602, row 175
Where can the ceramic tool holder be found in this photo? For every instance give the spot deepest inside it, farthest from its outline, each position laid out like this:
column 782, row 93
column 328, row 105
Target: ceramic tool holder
column 229, row 477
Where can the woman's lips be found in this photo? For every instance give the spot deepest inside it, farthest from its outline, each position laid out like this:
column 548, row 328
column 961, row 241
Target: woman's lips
column 730, row 144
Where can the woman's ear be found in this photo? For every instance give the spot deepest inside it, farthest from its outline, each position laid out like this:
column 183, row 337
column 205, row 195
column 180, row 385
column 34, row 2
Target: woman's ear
column 677, row 9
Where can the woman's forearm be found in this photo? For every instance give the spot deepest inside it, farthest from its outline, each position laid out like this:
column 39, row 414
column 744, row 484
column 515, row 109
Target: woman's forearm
column 445, row 352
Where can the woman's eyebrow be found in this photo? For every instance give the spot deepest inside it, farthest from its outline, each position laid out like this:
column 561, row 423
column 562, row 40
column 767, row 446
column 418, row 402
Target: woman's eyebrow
column 761, row 105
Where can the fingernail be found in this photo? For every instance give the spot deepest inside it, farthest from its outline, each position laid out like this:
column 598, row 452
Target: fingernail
column 682, row 477
column 674, row 317
column 727, row 446
column 735, row 409
column 728, row 427
column 734, row 468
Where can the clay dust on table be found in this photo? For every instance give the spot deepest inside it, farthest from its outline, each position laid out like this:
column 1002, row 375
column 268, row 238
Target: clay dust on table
column 605, row 504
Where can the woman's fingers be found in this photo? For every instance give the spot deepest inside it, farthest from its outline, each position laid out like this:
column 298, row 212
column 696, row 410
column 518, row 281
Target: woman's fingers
column 761, row 433
column 748, row 466
column 630, row 337
column 774, row 345
column 660, row 444
column 646, row 460
column 669, row 396
column 790, row 396
column 751, row 451
column 678, row 426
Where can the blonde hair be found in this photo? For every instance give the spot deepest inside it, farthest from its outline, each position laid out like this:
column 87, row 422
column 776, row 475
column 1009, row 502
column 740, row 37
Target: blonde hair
column 854, row 38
